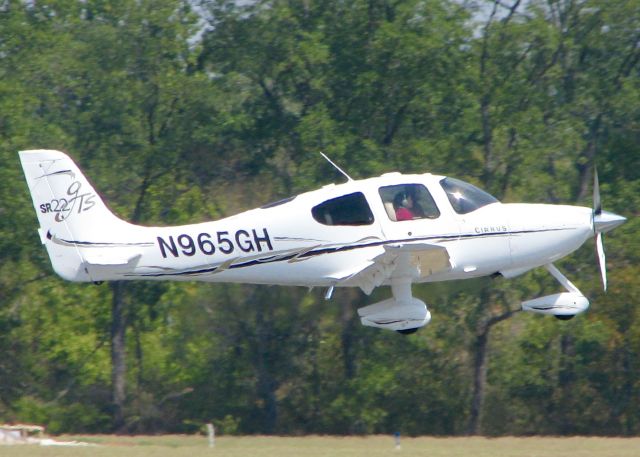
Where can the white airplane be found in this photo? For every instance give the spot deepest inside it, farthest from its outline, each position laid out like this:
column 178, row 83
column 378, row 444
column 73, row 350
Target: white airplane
column 392, row 230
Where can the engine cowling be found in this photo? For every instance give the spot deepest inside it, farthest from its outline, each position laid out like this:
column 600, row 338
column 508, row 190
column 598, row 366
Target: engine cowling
column 394, row 315
column 563, row 304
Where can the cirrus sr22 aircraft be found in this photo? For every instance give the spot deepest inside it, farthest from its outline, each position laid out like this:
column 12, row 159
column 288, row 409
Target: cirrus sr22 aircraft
column 393, row 230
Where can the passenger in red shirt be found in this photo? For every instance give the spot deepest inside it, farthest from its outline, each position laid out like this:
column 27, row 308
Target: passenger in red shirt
column 403, row 204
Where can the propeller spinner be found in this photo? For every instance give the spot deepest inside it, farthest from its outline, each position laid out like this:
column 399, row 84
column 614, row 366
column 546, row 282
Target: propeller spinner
column 603, row 221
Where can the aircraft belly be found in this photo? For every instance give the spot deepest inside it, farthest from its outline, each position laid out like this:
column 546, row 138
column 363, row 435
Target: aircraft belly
column 320, row 270
column 536, row 248
column 545, row 233
column 478, row 256
column 318, row 265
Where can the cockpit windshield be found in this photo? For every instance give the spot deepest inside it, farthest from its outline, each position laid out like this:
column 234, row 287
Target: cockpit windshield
column 465, row 197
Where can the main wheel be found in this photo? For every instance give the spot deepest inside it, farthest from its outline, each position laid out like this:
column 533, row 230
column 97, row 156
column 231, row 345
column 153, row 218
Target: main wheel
column 565, row 317
column 408, row 331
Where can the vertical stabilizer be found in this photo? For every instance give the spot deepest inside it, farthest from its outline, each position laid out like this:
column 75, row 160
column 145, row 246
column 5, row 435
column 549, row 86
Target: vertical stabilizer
column 70, row 212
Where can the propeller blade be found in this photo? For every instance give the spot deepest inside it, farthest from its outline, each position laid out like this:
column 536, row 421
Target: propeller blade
column 601, row 259
column 597, row 204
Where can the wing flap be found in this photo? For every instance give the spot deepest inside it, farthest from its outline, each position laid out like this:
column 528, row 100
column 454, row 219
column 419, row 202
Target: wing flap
column 417, row 260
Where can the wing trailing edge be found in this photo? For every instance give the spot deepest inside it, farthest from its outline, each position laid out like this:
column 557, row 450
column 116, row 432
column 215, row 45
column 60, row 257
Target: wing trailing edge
column 415, row 260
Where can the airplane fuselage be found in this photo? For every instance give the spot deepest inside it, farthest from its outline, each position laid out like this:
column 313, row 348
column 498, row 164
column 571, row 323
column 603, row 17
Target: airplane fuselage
column 285, row 244
column 392, row 230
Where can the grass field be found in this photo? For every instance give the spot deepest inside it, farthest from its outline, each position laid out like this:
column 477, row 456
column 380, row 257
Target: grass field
column 316, row 446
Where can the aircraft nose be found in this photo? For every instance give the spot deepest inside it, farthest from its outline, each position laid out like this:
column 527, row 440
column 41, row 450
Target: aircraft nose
column 605, row 221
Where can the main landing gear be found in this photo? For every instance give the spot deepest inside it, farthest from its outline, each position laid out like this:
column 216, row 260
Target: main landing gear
column 403, row 313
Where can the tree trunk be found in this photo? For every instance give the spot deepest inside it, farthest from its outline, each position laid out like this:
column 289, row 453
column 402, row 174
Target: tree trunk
column 479, row 381
column 348, row 321
column 119, row 326
column 480, row 370
column 118, row 354
column 566, row 380
column 266, row 384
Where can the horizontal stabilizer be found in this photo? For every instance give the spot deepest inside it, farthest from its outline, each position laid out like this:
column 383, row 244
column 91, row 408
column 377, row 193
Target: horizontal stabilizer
column 111, row 256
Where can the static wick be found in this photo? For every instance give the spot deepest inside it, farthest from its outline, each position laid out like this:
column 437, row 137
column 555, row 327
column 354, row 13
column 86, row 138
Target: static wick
column 335, row 166
column 329, row 293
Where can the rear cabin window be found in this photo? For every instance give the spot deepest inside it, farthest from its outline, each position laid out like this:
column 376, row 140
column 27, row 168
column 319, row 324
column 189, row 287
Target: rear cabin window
column 405, row 202
column 351, row 209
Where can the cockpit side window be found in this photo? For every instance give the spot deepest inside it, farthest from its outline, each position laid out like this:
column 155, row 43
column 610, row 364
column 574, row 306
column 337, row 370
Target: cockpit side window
column 465, row 197
column 351, row 209
column 405, row 202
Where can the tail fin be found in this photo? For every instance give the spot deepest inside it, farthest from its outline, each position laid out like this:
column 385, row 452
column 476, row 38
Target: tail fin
column 72, row 216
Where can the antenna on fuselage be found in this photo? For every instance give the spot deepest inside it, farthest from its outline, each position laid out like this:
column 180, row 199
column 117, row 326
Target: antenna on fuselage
column 335, row 166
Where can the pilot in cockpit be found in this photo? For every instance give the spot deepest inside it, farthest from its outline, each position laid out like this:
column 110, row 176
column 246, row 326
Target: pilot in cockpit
column 406, row 207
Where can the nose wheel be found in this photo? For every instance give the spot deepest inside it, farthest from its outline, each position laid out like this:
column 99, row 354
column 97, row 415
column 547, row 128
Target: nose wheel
column 563, row 306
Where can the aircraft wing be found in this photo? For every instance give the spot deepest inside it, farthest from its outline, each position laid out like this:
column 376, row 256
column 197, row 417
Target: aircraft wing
column 416, row 260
